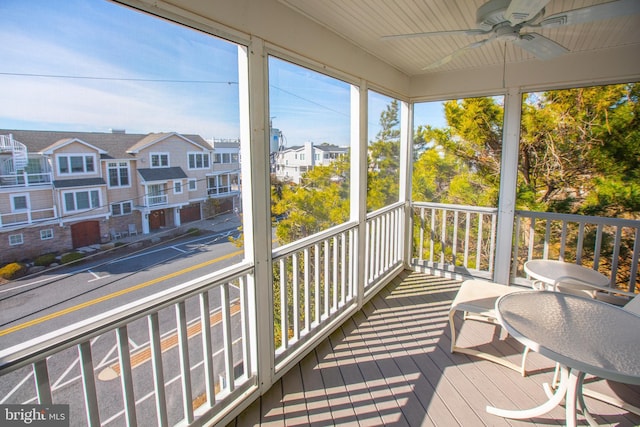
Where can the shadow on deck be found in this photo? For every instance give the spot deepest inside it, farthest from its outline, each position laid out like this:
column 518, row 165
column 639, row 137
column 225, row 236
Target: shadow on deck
column 390, row 365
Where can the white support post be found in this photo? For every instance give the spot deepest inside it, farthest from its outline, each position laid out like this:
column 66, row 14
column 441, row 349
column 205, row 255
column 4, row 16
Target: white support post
column 406, row 169
column 508, row 181
column 359, row 126
column 254, row 146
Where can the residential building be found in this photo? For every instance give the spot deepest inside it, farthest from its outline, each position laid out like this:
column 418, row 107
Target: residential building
column 293, row 162
column 64, row 190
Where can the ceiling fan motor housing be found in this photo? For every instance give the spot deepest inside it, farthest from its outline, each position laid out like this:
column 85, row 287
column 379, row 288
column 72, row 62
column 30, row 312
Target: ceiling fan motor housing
column 492, row 13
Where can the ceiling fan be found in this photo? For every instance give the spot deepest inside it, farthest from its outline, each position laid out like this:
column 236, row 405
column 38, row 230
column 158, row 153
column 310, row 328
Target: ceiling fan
column 505, row 19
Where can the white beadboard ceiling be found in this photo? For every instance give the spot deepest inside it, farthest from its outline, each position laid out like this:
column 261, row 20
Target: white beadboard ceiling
column 364, row 22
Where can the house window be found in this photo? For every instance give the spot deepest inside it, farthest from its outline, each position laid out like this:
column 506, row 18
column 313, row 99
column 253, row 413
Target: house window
column 80, row 163
column 19, row 202
column 123, row 208
column 81, row 200
column 46, row 234
column 198, row 160
column 193, row 184
column 118, row 173
column 159, row 160
column 177, row 187
column 16, row 239
column 223, row 157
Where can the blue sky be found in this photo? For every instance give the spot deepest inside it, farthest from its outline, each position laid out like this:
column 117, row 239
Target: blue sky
column 91, row 65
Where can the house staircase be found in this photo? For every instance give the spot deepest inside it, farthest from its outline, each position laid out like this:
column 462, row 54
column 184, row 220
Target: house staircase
column 18, row 151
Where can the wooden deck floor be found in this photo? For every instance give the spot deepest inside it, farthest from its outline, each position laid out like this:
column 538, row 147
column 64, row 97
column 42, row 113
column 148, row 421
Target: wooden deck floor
column 390, row 365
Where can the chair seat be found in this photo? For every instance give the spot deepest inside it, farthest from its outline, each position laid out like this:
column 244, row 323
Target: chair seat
column 479, row 296
column 477, row 299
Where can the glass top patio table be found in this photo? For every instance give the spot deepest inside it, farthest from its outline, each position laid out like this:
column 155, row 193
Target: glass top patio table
column 583, row 335
column 548, row 271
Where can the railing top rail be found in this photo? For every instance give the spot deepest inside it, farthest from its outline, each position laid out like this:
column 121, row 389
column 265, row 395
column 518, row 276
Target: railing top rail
column 464, row 208
column 580, row 218
column 38, row 348
column 385, row 209
column 312, row 240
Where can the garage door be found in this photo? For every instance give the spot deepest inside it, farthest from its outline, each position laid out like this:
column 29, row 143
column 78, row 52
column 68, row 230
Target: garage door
column 189, row 213
column 85, row 233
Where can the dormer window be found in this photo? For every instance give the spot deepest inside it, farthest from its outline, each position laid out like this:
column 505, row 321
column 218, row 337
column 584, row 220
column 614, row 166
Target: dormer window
column 159, row 160
column 76, row 164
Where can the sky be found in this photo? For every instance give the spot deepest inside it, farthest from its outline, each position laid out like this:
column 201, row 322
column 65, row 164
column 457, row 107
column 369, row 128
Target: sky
column 93, row 66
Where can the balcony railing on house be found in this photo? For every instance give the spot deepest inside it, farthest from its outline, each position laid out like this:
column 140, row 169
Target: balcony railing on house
column 157, row 200
column 25, row 179
column 27, row 217
column 316, row 286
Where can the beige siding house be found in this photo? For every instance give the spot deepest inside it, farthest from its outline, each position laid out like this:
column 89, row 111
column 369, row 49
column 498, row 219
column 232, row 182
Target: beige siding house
column 64, row 190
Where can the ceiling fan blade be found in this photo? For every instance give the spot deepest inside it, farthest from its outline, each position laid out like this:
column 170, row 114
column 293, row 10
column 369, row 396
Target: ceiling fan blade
column 457, row 53
column 592, row 13
column 520, row 11
column 542, row 47
column 437, row 33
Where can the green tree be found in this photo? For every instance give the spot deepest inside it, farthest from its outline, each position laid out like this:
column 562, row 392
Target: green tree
column 384, row 161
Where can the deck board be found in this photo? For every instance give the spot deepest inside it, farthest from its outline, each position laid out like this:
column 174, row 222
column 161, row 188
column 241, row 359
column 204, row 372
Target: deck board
column 390, row 365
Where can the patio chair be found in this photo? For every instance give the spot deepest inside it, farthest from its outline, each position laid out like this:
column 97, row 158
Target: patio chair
column 133, row 230
column 114, row 234
column 629, row 301
column 476, row 299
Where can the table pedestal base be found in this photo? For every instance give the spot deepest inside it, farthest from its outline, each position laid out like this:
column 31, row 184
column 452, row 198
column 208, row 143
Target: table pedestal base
column 569, row 389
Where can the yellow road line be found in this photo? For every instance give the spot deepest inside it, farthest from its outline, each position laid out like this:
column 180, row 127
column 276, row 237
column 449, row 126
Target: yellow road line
column 112, row 295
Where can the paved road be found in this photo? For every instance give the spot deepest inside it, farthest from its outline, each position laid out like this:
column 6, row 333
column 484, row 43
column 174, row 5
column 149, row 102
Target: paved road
column 30, row 308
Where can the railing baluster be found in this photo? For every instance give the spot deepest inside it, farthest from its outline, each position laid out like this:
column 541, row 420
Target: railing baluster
column 296, row 296
column 334, row 281
column 284, row 306
column 207, row 359
column 126, row 377
column 158, row 371
column 532, row 237
column 43, row 386
column 89, row 383
column 633, row 273
column 597, row 247
column 492, row 249
column 225, row 303
column 563, row 240
column 547, row 236
column 579, row 247
column 443, row 236
column 327, row 280
column 343, row 269
column 467, row 234
column 454, row 239
column 307, row 291
column 615, row 257
column 183, row 350
column 316, row 280
column 432, row 235
column 479, row 243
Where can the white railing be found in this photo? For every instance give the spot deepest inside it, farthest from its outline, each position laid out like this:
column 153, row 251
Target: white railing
column 24, row 179
column 609, row 245
column 454, row 239
column 313, row 284
column 385, row 231
column 27, row 217
column 178, row 357
column 157, row 200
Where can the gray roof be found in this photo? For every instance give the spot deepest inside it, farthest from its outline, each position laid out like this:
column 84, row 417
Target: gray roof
column 77, row 182
column 115, row 144
column 161, row 174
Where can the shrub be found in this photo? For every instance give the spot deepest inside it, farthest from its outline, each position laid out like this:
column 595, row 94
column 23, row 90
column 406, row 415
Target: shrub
column 193, row 231
column 13, row 270
column 45, row 260
column 71, row 257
